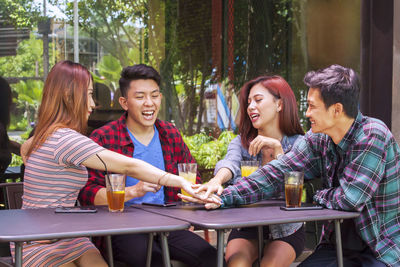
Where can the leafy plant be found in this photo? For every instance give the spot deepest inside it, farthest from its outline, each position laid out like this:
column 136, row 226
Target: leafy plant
column 109, row 69
column 206, row 150
column 28, row 59
column 16, row 161
column 29, row 97
column 21, row 13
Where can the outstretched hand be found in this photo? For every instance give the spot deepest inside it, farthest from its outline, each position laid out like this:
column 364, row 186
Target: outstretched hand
column 212, row 202
column 198, row 197
column 211, row 187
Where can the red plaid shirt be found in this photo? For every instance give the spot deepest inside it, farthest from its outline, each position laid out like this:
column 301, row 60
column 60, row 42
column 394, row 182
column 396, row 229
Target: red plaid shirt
column 114, row 136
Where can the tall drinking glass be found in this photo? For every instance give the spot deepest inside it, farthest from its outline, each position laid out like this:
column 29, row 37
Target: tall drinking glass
column 115, row 187
column 187, row 171
column 293, row 188
column 248, row 167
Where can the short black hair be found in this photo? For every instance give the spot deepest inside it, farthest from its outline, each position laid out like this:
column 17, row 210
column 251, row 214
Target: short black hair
column 137, row 72
column 337, row 84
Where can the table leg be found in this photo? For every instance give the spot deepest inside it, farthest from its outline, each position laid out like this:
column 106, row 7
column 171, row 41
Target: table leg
column 338, row 244
column 260, row 244
column 18, row 254
column 149, row 249
column 165, row 250
column 220, row 247
column 109, row 251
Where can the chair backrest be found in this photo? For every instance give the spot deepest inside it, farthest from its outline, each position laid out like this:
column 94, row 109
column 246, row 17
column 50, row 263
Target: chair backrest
column 13, row 194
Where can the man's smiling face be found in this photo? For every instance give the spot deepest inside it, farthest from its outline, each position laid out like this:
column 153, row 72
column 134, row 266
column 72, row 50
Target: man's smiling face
column 321, row 118
column 142, row 101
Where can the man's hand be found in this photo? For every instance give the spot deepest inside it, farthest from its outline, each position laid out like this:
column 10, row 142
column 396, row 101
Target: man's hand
column 140, row 189
column 212, row 202
column 211, row 187
column 200, row 196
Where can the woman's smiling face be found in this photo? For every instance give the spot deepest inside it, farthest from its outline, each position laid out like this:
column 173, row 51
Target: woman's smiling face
column 263, row 108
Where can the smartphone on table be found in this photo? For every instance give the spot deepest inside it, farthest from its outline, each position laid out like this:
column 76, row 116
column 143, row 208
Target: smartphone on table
column 166, row 204
column 304, row 206
column 78, row 209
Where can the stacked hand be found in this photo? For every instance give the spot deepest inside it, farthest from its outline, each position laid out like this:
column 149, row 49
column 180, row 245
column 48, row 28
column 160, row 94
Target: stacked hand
column 211, row 187
column 208, row 198
column 212, row 202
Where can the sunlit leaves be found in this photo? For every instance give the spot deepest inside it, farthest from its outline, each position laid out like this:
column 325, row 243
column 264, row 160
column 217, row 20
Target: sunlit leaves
column 20, row 13
column 206, row 150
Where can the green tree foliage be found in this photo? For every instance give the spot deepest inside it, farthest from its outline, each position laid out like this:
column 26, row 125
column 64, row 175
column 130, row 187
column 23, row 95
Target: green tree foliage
column 109, row 69
column 27, row 94
column 111, row 23
column 125, row 28
column 20, row 13
column 131, row 31
column 24, row 64
column 29, row 97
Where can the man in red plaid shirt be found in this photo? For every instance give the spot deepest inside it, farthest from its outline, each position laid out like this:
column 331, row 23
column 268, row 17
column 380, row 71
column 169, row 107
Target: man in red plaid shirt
column 139, row 134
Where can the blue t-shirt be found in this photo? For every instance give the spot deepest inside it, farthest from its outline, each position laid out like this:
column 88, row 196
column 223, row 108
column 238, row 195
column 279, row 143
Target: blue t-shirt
column 153, row 155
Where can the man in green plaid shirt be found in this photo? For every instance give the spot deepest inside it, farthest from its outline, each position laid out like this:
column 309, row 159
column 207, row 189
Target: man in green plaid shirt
column 357, row 159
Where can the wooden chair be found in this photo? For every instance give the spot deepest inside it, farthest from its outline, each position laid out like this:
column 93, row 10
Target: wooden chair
column 12, row 194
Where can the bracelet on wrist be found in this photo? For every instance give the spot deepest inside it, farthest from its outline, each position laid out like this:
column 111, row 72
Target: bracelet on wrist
column 162, row 176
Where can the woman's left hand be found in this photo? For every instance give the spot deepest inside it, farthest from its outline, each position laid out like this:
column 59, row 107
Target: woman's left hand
column 265, row 143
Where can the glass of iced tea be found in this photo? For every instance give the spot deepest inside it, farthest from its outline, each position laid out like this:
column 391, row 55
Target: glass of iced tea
column 187, row 171
column 115, row 186
column 293, row 188
column 248, row 167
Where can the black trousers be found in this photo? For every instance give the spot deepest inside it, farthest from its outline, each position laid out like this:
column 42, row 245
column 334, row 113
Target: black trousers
column 184, row 246
column 325, row 255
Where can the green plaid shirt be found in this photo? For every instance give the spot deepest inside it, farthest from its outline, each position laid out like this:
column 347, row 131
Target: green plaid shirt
column 367, row 165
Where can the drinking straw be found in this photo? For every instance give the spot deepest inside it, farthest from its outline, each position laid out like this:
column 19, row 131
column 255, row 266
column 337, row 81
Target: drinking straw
column 107, row 176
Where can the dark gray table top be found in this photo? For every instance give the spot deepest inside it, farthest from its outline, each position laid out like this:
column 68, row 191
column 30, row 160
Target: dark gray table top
column 39, row 224
column 262, row 213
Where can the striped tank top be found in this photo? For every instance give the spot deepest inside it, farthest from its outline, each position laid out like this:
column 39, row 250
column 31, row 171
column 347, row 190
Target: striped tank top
column 53, row 177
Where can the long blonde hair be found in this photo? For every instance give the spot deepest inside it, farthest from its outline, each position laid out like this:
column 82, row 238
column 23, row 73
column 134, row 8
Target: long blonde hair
column 64, row 101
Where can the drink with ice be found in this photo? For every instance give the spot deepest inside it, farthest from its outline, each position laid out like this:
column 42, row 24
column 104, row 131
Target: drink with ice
column 191, row 177
column 293, row 189
column 248, row 167
column 115, row 187
column 187, row 171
